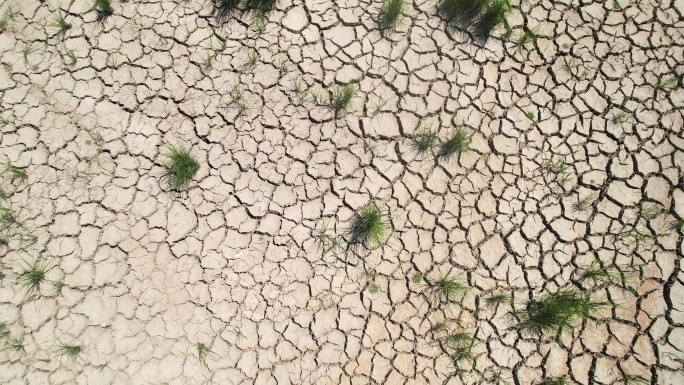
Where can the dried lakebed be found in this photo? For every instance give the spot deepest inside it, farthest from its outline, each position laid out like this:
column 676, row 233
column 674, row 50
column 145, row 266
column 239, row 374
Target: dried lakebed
column 372, row 204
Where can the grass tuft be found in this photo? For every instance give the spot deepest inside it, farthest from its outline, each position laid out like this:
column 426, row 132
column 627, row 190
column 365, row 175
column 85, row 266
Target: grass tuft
column 181, row 168
column 390, row 12
column 341, row 98
column 16, row 173
column 203, row 352
column 597, row 273
column 224, row 8
column 15, row 345
column 32, row 277
column 60, row 24
column 8, row 219
column 426, row 140
column 446, row 289
column 104, row 9
column 71, row 352
column 458, row 143
column 368, row 228
column 557, row 312
column 650, row 211
column 495, row 300
column 494, row 15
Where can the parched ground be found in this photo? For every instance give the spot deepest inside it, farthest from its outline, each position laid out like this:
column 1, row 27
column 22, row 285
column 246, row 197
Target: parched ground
column 577, row 155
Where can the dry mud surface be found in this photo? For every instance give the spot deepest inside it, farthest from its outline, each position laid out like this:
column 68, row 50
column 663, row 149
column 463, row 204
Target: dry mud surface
column 138, row 276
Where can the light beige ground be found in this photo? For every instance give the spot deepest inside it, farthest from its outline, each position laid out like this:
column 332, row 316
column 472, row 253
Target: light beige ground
column 233, row 264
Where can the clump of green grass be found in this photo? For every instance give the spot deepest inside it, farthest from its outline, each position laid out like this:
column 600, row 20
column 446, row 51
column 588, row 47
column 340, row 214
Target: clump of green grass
column 8, row 219
column 341, row 98
column 417, row 278
column 237, row 99
column 373, row 288
column 104, row 9
column 15, row 345
column 495, row 300
column 597, row 273
column 446, row 289
column 390, row 12
column 583, row 204
column 493, row 16
column 368, row 227
column 32, row 277
column 263, row 6
column 457, row 144
column 16, row 173
column 4, row 332
column 203, row 352
column 71, row 352
column 181, row 168
column 60, row 24
column 557, row 312
column 224, row 8
column 426, row 140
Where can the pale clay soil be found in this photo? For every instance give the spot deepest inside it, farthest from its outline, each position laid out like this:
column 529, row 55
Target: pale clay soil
column 233, row 262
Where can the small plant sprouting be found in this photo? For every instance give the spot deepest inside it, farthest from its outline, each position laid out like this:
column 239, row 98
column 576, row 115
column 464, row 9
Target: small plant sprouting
column 665, row 85
column 583, row 204
column 426, row 140
column 417, row 278
column 70, row 58
column 390, row 12
column 373, row 288
column 104, row 9
column 616, row 6
column 341, row 98
column 208, row 62
column 284, row 68
column 368, row 228
column 16, row 345
column 16, row 173
column 181, row 168
column 237, row 99
column 299, row 88
column 8, row 219
column 556, row 165
column 323, row 242
column 203, row 352
column 71, row 352
column 620, row 116
column 495, row 300
column 252, row 59
column 631, row 233
column 528, row 36
column 557, row 312
column 60, row 24
column 446, row 289
column 458, row 143
column 32, row 277
column 28, row 50
column 4, row 332
column 650, row 211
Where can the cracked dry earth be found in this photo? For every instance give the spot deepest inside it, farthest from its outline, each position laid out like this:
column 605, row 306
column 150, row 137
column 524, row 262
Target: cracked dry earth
column 577, row 134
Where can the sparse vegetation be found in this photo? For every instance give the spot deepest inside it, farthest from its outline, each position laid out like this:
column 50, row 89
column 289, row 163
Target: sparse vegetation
column 341, row 98
column 583, row 204
column 555, row 381
column 323, row 242
column 16, row 173
column 598, row 272
column 71, row 352
column 650, row 211
column 32, row 277
column 457, row 144
column 237, row 99
column 426, row 140
column 495, row 300
column 417, row 278
column 373, row 288
column 203, row 352
column 181, row 168
column 368, row 228
column 390, row 12
column 8, row 219
column 60, row 24
column 15, row 345
column 555, row 313
column 446, row 289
